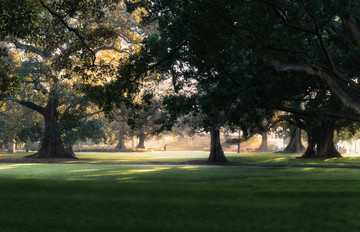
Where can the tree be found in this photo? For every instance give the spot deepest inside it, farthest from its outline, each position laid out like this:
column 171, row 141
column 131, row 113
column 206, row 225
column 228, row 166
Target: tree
column 209, row 119
column 264, row 143
column 316, row 119
column 145, row 113
column 263, row 129
column 59, row 58
column 227, row 46
column 318, row 38
column 120, row 126
column 210, row 71
column 295, row 145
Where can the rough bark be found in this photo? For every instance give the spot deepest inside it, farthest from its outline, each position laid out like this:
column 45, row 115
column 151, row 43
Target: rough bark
column 295, row 145
column 216, row 151
column 52, row 148
column 141, row 143
column 52, row 145
column 264, row 143
column 321, row 142
column 121, row 142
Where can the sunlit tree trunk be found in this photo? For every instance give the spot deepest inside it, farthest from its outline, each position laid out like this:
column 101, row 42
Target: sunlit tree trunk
column 264, row 143
column 12, row 146
column 121, row 142
column 295, row 145
column 141, row 141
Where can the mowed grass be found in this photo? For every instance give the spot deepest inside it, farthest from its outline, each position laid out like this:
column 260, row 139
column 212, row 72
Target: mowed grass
column 200, row 157
column 103, row 197
column 98, row 193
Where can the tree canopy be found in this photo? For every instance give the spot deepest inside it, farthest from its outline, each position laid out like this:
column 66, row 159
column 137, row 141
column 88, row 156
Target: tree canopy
column 66, row 48
column 228, row 67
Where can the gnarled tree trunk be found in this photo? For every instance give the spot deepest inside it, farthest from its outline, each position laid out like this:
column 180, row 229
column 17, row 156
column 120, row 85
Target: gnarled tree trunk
column 295, row 145
column 141, row 143
column 121, row 143
column 216, row 151
column 321, row 144
column 51, row 144
column 264, row 143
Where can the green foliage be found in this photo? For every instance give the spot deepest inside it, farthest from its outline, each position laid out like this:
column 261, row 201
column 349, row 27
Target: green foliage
column 18, row 123
column 33, row 133
column 16, row 17
column 53, row 61
column 223, row 63
column 16, row 20
column 83, row 130
column 216, row 76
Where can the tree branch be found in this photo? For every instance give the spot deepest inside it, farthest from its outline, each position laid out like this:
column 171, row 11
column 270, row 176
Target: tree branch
column 319, row 113
column 33, row 106
column 30, row 48
column 334, row 82
column 282, row 15
column 168, row 56
column 75, row 31
column 111, row 48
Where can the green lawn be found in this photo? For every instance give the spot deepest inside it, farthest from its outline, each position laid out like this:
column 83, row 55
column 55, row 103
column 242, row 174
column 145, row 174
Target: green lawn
column 200, row 157
column 110, row 197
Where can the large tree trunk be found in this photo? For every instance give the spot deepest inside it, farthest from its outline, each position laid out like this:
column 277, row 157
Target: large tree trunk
column 264, row 143
column 52, row 145
column 12, row 146
column 69, row 149
column 216, row 151
column 121, row 144
column 321, row 144
column 295, row 145
column 141, row 141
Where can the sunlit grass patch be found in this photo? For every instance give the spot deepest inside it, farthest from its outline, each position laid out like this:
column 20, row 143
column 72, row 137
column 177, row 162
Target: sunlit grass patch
column 132, row 171
column 190, row 167
column 85, row 170
column 275, row 160
column 331, row 159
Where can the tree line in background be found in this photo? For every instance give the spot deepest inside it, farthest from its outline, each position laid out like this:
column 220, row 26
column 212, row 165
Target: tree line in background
column 69, row 69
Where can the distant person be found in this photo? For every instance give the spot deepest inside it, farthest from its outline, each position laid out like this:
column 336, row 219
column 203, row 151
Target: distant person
column 165, row 147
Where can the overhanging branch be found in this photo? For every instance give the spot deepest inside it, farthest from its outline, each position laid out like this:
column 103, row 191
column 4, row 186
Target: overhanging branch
column 334, row 81
column 319, row 113
column 76, row 32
